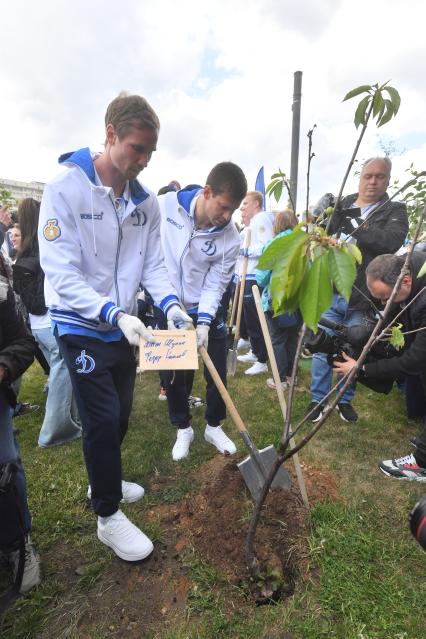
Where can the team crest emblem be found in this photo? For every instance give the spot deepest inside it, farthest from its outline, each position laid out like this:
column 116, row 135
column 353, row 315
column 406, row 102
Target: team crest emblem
column 51, row 231
column 210, row 247
column 87, row 363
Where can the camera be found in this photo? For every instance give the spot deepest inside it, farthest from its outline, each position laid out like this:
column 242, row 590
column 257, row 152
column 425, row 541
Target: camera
column 350, row 340
column 417, row 518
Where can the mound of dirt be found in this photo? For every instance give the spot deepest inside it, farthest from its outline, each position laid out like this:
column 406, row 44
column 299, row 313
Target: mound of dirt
column 215, row 522
column 145, row 598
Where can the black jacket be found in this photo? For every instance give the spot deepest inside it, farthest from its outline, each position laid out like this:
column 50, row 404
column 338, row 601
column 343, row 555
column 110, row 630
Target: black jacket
column 17, row 346
column 412, row 360
column 383, row 232
column 28, row 282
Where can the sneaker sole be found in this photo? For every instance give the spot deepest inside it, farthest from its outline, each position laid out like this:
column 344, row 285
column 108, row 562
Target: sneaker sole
column 402, row 477
column 211, row 441
column 123, row 555
column 132, row 500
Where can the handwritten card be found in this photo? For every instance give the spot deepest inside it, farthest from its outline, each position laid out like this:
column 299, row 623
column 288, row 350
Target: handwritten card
column 169, row 350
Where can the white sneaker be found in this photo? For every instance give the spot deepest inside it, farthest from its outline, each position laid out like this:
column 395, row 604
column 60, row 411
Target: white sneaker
column 243, row 344
column 32, row 575
column 126, row 540
column 248, row 358
column 215, row 435
column 256, row 369
column 131, row 492
column 184, row 439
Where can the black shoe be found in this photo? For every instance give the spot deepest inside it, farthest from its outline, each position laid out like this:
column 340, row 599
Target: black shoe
column 26, row 409
column 316, row 414
column 347, row 412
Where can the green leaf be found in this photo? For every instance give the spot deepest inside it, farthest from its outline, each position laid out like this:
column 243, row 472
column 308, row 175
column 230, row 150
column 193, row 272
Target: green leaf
column 277, row 192
column 294, row 272
column 361, row 111
column 361, row 89
column 397, row 338
column 378, row 103
column 395, row 98
column 316, row 292
column 389, row 113
column 354, row 250
column 342, row 270
column 281, row 249
column 422, row 270
column 271, row 186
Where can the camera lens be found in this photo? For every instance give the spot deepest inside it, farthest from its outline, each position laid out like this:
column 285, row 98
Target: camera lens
column 417, row 519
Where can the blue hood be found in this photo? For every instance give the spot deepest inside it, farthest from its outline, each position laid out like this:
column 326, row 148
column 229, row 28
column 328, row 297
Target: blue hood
column 185, row 197
column 83, row 159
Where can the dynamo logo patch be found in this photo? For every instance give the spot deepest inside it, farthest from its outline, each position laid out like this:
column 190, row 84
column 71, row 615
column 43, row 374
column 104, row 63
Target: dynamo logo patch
column 86, row 362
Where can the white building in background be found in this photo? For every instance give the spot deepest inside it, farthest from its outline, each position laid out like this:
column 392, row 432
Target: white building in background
column 21, row 190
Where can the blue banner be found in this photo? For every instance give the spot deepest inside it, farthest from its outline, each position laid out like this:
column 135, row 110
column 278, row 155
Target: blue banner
column 260, row 185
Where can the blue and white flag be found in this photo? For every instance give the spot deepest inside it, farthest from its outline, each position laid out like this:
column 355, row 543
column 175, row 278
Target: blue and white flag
column 260, row 185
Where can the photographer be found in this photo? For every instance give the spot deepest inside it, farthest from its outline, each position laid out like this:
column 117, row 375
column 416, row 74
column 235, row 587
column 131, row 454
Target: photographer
column 382, row 274
column 17, row 348
column 375, row 224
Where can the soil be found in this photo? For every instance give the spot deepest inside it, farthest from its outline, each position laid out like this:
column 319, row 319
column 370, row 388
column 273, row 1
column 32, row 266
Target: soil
column 144, row 599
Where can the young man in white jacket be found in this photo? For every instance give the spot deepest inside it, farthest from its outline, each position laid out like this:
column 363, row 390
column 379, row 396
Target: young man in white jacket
column 200, row 245
column 260, row 223
column 99, row 237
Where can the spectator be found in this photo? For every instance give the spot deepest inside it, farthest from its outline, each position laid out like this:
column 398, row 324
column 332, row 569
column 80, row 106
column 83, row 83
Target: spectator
column 283, row 328
column 375, row 224
column 17, row 349
column 382, row 274
column 60, row 423
column 260, row 223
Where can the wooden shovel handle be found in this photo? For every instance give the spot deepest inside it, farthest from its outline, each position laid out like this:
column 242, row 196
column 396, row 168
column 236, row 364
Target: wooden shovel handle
column 235, row 303
column 222, row 390
column 280, row 393
column 246, row 244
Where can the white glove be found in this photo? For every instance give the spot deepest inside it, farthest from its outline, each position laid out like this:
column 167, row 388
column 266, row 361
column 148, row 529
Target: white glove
column 202, row 335
column 177, row 318
column 133, row 329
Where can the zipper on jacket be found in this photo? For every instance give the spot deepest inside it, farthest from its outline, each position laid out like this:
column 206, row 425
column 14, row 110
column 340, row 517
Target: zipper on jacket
column 185, row 250
column 117, row 253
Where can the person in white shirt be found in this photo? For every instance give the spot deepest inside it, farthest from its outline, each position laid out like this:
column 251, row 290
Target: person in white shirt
column 260, row 223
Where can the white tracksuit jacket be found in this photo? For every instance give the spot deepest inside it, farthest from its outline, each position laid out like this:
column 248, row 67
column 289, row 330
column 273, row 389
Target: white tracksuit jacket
column 200, row 263
column 94, row 262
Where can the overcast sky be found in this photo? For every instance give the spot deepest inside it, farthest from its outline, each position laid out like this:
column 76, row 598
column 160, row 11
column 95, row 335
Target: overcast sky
column 220, row 77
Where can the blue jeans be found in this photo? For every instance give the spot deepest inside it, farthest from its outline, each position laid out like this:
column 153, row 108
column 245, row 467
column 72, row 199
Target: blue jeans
column 61, row 422
column 9, row 452
column 322, row 373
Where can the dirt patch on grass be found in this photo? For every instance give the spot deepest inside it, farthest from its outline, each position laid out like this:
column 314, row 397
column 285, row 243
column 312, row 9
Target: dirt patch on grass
column 146, row 599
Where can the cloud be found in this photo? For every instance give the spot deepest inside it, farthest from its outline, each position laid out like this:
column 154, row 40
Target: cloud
column 219, row 76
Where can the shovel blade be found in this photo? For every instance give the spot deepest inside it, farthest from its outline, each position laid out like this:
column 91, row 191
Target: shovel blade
column 255, row 471
column 231, row 362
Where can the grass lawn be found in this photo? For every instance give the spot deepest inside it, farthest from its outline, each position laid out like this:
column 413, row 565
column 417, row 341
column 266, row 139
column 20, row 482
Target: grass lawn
column 367, row 576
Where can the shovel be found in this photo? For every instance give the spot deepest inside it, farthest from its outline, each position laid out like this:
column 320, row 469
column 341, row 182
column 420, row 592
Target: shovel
column 256, row 467
column 278, row 387
column 230, row 336
column 231, row 361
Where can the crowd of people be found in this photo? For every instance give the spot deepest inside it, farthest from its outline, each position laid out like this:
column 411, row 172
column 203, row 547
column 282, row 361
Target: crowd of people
column 101, row 245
